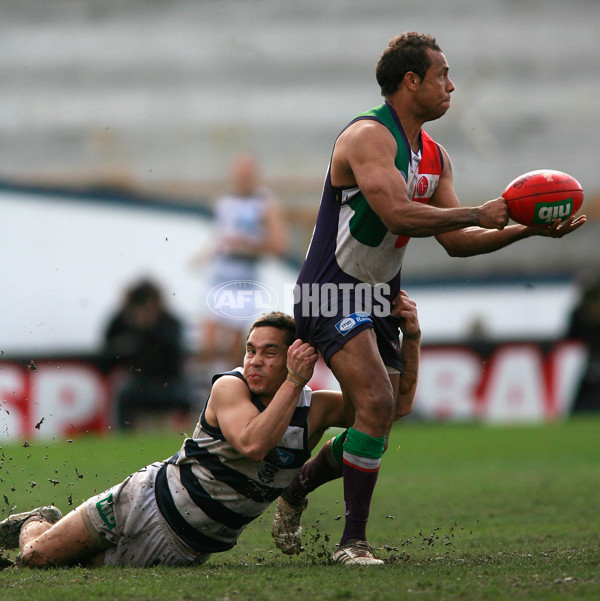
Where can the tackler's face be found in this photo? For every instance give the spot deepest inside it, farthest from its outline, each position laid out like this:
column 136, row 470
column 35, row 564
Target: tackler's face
column 265, row 361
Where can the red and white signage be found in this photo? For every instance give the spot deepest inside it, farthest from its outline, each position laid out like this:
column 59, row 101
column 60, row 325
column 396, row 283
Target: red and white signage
column 52, row 399
column 516, row 382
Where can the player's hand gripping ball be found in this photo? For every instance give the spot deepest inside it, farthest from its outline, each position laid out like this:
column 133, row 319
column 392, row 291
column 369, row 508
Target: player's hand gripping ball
column 543, row 196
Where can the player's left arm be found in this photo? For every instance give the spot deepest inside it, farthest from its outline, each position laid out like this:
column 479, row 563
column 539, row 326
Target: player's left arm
column 405, row 309
column 472, row 241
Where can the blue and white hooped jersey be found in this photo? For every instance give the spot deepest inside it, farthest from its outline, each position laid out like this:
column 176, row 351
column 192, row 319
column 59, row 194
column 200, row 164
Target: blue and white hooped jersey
column 208, row 492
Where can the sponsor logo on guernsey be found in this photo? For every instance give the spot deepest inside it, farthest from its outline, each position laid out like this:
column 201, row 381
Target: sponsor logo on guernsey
column 422, row 185
column 349, row 322
column 548, row 212
column 106, row 511
column 426, row 185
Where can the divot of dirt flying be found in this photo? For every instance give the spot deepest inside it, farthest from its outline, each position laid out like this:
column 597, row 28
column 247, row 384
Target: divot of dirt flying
column 317, row 546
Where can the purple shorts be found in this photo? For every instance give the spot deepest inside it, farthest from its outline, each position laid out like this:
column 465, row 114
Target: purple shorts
column 328, row 334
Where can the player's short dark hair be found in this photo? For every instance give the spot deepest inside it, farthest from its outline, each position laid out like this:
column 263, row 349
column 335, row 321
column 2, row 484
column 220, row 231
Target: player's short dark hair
column 406, row 52
column 279, row 320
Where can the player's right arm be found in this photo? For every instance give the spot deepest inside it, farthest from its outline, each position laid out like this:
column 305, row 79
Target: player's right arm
column 251, row 432
column 364, row 155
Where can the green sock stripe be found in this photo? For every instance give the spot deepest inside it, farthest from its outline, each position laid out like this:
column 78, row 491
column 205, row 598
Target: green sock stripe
column 361, row 444
column 337, row 447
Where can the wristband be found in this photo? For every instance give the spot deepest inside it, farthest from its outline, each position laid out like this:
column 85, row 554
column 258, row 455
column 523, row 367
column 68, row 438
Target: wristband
column 414, row 336
column 292, row 376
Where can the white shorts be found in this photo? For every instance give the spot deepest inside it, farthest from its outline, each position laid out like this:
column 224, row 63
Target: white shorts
column 125, row 519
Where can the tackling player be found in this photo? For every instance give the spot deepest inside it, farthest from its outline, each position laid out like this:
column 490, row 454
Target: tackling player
column 256, row 431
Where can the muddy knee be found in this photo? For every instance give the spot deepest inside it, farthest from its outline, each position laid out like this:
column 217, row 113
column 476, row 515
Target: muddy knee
column 31, row 557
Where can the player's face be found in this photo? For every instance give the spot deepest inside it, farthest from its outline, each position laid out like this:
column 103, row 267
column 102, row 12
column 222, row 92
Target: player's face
column 265, row 362
column 435, row 89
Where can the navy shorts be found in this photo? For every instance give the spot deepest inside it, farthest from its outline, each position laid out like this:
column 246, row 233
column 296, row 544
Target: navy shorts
column 329, row 334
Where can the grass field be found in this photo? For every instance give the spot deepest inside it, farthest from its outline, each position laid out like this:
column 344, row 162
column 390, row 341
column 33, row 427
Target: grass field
column 460, row 512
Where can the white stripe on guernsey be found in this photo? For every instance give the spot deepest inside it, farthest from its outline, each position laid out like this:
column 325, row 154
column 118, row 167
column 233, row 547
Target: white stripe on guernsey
column 365, row 464
column 192, row 513
column 349, row 194
column 293, row 438
column 305, row 397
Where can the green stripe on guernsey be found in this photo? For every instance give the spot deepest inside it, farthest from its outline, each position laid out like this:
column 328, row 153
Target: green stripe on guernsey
column 365, row 225
column 362, row 445
column 384, row 114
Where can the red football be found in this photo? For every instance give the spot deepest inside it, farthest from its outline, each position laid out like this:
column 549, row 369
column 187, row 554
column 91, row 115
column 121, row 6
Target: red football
column 543, row 196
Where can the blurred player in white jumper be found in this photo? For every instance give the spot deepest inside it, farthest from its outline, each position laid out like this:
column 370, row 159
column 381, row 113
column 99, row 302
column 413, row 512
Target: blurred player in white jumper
column 249, row 227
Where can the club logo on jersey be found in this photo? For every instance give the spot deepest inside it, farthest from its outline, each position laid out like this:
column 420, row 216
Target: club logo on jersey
column 280, row 457
column 350, row 322
column 547, row 212
column 106, row 511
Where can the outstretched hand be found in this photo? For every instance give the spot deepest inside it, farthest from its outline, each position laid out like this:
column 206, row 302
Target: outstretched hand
column 560, row 228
